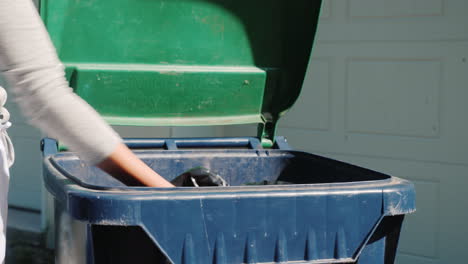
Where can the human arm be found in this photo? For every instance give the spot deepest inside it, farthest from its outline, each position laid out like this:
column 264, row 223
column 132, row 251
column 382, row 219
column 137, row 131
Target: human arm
column 30, row 65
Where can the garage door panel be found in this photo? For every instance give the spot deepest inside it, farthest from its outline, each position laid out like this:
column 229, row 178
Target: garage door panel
column 374, row 88
column 404, row 99
column 395, row 8
column 315, row 101
column 420, row 236
column 326, row 11
column 411, row 259
column 388, row 20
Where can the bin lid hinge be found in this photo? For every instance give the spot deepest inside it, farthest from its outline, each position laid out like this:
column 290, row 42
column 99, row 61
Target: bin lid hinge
column 266, row 133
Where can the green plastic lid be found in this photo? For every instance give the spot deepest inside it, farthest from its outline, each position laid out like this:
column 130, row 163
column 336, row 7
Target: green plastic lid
column 185, row 62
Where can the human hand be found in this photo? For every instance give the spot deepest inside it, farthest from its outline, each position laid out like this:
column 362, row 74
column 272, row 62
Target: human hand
column 124, row 165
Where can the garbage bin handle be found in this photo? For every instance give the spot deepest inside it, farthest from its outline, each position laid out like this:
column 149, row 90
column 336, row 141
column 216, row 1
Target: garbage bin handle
column 50, row 146
column 221, row 142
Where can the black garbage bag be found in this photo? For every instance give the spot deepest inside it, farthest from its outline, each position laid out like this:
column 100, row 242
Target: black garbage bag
column 199, row 177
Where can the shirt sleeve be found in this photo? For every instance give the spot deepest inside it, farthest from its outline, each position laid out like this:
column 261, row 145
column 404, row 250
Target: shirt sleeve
column 36, row 77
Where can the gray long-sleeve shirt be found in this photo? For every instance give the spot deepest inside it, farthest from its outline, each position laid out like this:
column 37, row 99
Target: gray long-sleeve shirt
column 29, row 64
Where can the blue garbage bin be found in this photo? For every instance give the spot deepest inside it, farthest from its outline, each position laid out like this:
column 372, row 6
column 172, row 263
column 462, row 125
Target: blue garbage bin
column 208, row 62
column 331, row 212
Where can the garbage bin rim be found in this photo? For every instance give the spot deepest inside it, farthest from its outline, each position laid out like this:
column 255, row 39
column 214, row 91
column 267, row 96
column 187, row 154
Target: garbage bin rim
column 71, row 184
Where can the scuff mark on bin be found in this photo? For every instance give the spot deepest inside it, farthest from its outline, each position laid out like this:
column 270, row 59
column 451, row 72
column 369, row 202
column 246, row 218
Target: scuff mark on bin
column 202, row 211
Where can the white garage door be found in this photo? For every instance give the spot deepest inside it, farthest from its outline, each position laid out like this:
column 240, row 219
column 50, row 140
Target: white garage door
column 388, row 89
